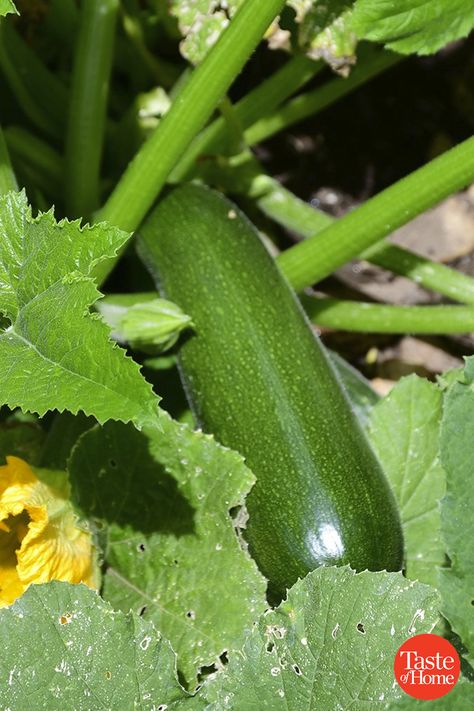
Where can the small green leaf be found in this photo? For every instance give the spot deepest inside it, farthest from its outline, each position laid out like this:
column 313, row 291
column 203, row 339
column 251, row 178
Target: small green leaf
column 6, row 7
column 409, row 26
column 148, row 324
column 404, row 431
column 331, row 645
column 326, row 31
column 172, row 552
column 55, row 354
column 63, row 647
column 457, row 437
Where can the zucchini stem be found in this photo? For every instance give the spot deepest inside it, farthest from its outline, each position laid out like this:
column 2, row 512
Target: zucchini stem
column 312, row 260
column 148, row 171
column 88, row 105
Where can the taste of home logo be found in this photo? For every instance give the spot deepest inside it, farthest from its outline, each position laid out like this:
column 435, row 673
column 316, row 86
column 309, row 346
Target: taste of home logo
column 427, row 666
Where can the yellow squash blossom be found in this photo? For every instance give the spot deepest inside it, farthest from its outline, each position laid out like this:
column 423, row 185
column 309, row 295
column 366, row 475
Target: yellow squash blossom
column 40, row 539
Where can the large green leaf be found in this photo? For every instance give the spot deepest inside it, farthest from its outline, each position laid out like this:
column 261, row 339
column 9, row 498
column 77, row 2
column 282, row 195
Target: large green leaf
column 331, row 645
column 408, row 26
column 457, row 437
column 461, row 698
column 63, row 647
column 172, row 552
column 56, row 354
column 404, row 430
column 7, row 6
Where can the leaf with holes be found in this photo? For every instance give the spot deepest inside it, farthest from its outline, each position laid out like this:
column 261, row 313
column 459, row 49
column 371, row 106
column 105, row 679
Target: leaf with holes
column 171, row 551
column 404, row 431
column 407, row 26
column 55, row 354
column 331, row 642
column 457, row 436
column 96, row 658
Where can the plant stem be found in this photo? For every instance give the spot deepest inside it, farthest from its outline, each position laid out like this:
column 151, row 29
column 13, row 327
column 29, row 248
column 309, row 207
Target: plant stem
column 312, row 260
column 380, row 318
column 258, row 102
column 314, row 101
column 43, row 161
column 192, row 107
column 286, row 209
column 7, row 176
column 41, row 96
column 428, row 274
column 88, row 106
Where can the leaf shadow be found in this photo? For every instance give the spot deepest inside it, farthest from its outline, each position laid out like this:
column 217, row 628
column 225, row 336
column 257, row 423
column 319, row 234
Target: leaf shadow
column 116, row 480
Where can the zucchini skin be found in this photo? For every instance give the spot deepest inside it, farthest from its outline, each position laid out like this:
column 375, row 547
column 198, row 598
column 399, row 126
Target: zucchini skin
column 258, row 378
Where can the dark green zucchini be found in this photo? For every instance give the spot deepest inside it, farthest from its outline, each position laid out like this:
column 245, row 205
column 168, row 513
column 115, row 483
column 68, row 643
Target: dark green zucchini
column 258, row 378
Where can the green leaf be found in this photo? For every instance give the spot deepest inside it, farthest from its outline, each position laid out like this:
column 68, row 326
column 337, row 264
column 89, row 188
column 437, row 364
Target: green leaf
column 409, row 26
column 404, row 431
column 326, row 31
column 461, row 698
column 331, row 645
column 6, row 7
column 56, row 354
column 172, row 552
column 457, row 437
column 63, row 647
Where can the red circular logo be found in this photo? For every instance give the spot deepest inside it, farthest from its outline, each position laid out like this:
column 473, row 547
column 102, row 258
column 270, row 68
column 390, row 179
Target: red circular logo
column 427, row 666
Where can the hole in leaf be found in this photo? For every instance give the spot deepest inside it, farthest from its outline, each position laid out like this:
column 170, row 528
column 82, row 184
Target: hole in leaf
column 191, row 615
column 224, row 659
column 113, row 463
column 142, row 611
column 108, row 675
column 360, row 628
column 296, row 669
column 206, row 671
column 270, row 647
column 141, row 547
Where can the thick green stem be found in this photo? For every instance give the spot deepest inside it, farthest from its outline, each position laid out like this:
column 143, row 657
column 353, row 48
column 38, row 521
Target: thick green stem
column 309, row 104
column 88, row 107
column 7, row 176
column 42, row 161
column 312, row 260
column 192, row 107
column 260, row 101
column 380, row 318
column 289, row 211
column 39, row 93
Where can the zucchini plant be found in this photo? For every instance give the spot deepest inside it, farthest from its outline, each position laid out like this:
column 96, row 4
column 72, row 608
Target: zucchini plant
column 201, row 506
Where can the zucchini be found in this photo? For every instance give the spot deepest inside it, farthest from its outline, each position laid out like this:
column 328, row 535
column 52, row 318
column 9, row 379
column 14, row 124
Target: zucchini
column 258, row 378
